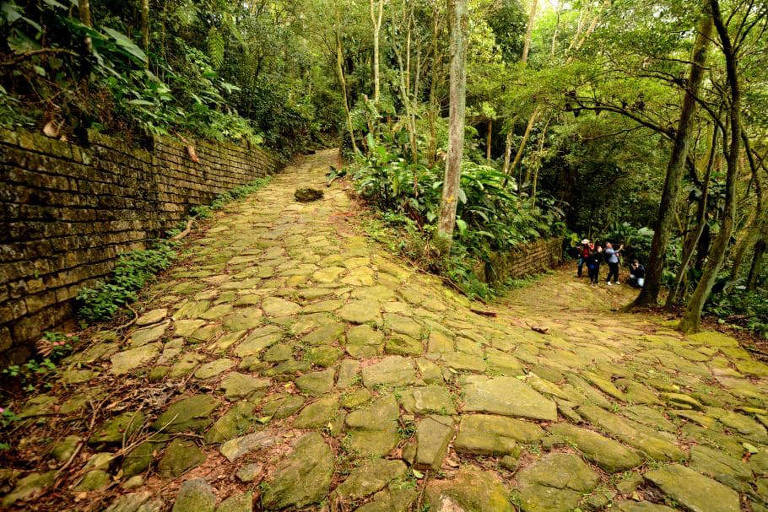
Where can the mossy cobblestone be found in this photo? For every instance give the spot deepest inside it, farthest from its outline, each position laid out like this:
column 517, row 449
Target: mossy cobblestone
column 289, row 362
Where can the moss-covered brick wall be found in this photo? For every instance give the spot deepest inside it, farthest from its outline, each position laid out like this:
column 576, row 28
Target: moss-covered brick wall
column 525, row 260
column 68, row 211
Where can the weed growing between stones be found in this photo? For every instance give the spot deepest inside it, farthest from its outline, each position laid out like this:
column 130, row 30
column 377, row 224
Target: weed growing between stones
column 137, row 268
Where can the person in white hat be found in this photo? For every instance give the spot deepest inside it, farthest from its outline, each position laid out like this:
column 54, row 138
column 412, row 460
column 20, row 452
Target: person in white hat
column 583, row 255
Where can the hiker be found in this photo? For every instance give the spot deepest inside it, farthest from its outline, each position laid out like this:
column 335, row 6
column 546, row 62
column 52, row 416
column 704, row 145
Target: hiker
column 583, row 256
column 593, row 262
column 636, row 274
column 612, row 258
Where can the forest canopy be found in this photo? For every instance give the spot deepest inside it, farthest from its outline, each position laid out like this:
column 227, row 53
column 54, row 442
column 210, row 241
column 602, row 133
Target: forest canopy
column 634, row 121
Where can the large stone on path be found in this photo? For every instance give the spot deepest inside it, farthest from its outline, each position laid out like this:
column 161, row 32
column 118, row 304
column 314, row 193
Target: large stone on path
column 642, row 506
column 118, row 428
column 693, row 490
column 360, row 311
column 390, row 371
column 236, row 448
column 471, row 490
column 195, row 496
column 237, row 503
column 233, row 423
column 432, row 438
column 506, row 396
column 143, row 336
column 29, row 486
column 316, row 383
column 724, row 468
column 275, row 306
column 239, row 385
column 486, row 434
column 318, row 414
column 128, row 360
column 191, row 413
column 373, row 429
column 638, row 436
column 434, row 399
column 395, row 499
column 370, row 477
column 555, row 483
column 301, row 478
column 606, row 453
column 179, row 457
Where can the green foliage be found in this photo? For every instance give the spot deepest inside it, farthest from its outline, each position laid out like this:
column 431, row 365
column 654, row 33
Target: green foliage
column 637, row 242
column 744, row 308
column 132, row 272
column 490, row 216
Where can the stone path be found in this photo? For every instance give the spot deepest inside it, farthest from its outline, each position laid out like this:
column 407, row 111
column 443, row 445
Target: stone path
column 289, row 363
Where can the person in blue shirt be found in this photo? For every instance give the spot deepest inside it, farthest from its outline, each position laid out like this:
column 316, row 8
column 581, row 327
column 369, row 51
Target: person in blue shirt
column 612, row 258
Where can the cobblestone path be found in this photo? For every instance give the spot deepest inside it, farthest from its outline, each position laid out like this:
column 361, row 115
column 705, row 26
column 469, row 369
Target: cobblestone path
column 287, row 362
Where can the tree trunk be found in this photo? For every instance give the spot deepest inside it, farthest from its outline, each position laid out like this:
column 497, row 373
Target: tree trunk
column 555, row 32
column 488, row 141
column 457, row 15
column 691, row 320
column 649, row 295
column 529, row 31
column 145, row 28
column 757, row 265
column 434, row 106
column 145, row 24
column 343, row 83
column 523, row 142
column 376, row 20
column 691, row 241
column 508, row 147
column 84, row 7
column 404, row 87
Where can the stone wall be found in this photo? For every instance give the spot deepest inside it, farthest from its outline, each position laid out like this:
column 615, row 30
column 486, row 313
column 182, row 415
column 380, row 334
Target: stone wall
column 67, row 212
column 528, row 259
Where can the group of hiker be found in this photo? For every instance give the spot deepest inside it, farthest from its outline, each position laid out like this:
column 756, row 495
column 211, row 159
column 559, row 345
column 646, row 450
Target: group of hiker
column 592, row 255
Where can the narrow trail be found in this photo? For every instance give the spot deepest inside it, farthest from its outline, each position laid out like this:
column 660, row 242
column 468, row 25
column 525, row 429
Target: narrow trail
column 288, row 362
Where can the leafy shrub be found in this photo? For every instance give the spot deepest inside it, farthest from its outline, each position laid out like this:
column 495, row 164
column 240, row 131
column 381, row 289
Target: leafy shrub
column 490, row 215
column 748, row 309
column 131, row 273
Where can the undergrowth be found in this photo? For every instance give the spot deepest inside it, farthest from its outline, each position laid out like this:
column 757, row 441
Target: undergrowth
column 136, row 268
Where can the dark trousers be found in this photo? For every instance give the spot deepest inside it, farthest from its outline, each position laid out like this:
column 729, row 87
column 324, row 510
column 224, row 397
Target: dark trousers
column 581, row 266
column 613, row 270
column 594, row 272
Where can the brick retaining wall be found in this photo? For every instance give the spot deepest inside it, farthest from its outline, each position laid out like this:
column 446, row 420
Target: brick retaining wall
column 68, row 211
column 525, row 260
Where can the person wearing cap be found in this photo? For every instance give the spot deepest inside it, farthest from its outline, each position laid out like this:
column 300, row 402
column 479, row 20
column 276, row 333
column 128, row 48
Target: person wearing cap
column 583, row 255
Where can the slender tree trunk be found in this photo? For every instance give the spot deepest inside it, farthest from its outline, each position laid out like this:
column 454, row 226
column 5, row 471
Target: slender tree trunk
column 84, row 7
column 555, row 32
column 537, row 164
column 691, row 241
column 488, row 141
column 457, row 15
column 508, row 148
column 145, row 28
column 691, row 320
column 649, row 295
column 145, row 24
column 404, row 86
column 523, row 142
column 529, row 31
column 433, row 101
column 343, row 83
column 376, row 20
